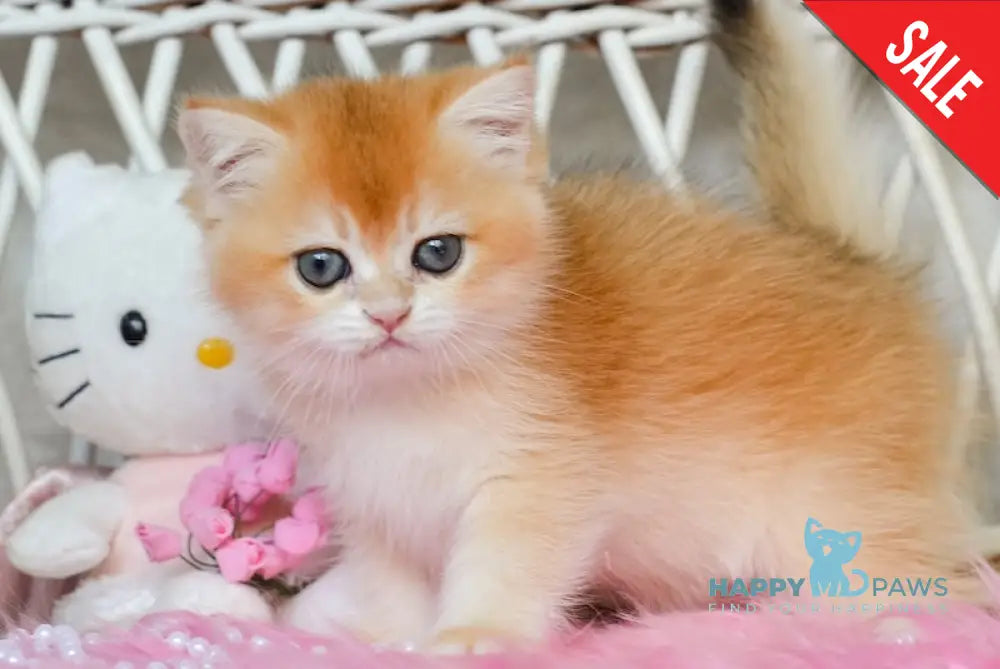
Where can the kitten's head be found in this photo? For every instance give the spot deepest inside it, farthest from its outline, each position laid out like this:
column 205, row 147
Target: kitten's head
column 388, row 227
column 833, row 546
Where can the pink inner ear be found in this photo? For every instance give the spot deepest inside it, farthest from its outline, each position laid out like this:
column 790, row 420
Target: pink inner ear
column 499, row 127
column 228, row 166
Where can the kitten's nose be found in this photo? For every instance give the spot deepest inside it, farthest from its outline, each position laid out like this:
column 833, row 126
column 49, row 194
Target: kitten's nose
column 388, row 319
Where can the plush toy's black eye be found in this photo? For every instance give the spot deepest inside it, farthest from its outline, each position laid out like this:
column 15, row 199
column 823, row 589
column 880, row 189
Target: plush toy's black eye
column 438, row 255
column 322, row 268
column 133, row 328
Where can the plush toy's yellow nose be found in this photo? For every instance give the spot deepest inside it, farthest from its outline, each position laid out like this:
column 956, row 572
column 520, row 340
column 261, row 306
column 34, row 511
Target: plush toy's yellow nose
column 215, row 352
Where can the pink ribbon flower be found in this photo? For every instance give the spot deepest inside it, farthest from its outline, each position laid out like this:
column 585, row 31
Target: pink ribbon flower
column 276, row 562
column 311, row 506
column 211, row 527
column 208, row 488
column 222, row 500
column 239, row 456
column 276, row 472
column 240, row 560
column 298, row 537
column 160, row 543
column 246, row 485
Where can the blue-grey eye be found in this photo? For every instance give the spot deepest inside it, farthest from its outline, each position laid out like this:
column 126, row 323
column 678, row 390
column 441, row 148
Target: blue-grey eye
column 133, row 328
column 322, row 268
column 438, row 255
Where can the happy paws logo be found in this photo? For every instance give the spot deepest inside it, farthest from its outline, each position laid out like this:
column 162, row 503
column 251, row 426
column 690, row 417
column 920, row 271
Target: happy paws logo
column 830, row 551
column 830, row 576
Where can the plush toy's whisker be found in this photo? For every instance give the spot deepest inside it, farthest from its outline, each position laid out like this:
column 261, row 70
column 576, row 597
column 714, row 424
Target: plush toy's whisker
column 48, row 314
column 58, row 356
column 72, row 396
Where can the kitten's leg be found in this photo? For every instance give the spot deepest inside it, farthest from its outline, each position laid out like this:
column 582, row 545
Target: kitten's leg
column 523, row 550
column 370, row 593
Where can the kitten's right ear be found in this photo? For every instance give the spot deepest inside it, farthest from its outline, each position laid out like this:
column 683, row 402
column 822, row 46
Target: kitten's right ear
column 496, row 116
column 229, row 154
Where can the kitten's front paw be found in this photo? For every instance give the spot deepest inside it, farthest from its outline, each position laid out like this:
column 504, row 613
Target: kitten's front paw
column 364, row 596
column 470, row 641
column 317, row 614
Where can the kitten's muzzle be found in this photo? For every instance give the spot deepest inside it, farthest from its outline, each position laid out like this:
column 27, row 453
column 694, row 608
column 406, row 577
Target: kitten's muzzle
column 388, row 319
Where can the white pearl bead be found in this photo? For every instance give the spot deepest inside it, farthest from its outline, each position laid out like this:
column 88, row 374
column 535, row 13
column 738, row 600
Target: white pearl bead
column 71, row 652
column 69, row 647
column 216, row 654
column 43, row 633
column 157, row 665
column 65, row 632
column 233, row 635
column 319, row 650
column 897, row 630
column 11, row 653
column 177, row 640
column 186, row 664
column 124, row 665
column 198, row 646
column 258, row 642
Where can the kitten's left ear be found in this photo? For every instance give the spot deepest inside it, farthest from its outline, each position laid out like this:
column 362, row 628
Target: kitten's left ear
column 496, row 116
column 853, row 539
column 229, row 153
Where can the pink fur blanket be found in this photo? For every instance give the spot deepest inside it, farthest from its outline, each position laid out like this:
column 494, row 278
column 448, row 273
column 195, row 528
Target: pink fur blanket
column 966, row 639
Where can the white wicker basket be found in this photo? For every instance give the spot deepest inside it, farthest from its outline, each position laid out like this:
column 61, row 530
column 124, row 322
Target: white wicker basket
column 615, row 32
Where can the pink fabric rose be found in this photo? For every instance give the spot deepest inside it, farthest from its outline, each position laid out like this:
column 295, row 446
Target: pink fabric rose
column 208, row 488
column 240, row 456
column 211, row 527
column 160, row 543
column 239, row 560
column 276, row 472
column 311, row 506
column 295, row 536
column 245, row 511
column 245, row 484
column 275, row 562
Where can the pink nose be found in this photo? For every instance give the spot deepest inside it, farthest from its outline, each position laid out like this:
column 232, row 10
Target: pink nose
column 388, row 320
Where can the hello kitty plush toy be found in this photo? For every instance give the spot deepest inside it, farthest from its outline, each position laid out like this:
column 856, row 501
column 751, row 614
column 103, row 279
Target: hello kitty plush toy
column 131, row 353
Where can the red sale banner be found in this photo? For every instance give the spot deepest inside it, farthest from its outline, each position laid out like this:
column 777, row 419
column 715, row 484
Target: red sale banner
column 941, row 58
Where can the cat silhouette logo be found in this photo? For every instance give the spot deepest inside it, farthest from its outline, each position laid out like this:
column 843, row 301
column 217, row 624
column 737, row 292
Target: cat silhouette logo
column 830, row 551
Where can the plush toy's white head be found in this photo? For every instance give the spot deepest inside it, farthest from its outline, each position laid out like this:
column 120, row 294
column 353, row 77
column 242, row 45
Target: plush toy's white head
column 130, row 350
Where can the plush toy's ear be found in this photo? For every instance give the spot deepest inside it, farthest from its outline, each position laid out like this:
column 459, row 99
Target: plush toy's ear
column 70, row 192
column 229, row 152
column 496, row 116
column 65, row 172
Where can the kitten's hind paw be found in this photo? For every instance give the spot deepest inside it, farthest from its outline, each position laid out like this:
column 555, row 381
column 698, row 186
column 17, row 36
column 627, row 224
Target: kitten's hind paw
column 469, row 641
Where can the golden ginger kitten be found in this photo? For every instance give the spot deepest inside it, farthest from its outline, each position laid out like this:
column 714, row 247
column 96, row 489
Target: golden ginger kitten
column 517, row 391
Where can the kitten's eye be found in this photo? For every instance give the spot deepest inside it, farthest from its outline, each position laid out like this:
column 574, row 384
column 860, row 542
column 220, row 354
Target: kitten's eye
column 438, row 255
column 322, row 268
column 133, row 328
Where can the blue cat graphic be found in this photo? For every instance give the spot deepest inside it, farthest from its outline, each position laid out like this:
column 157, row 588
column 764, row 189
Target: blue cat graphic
column 830, row 551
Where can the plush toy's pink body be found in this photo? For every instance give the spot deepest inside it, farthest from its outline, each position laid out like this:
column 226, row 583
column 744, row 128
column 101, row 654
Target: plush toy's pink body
column 154, row 486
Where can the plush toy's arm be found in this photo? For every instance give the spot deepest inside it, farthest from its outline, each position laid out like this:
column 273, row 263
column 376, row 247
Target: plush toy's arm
column 71, row 533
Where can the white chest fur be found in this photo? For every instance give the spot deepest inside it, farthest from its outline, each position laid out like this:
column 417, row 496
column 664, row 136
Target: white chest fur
column 404, row 473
